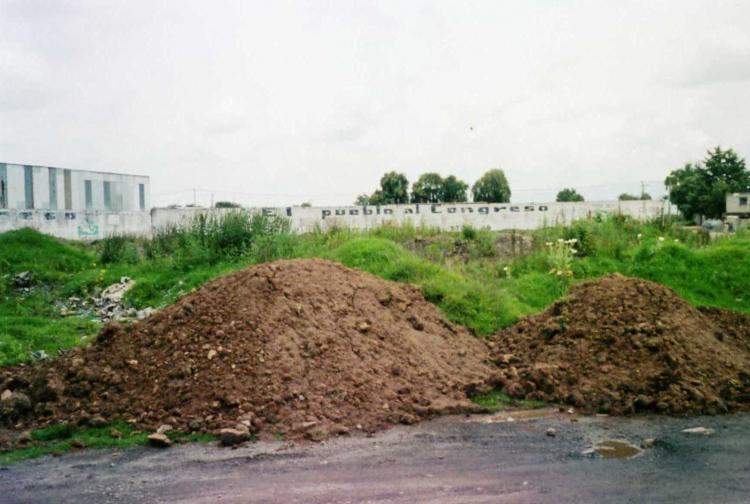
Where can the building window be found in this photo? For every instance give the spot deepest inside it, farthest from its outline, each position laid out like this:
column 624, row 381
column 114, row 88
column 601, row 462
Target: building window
column 107, row 195
column 68, row 190
column 743, row 200
column 142, row 196
column 28, row 179
column 53, row 188
column 3, row 186
column 88, row 193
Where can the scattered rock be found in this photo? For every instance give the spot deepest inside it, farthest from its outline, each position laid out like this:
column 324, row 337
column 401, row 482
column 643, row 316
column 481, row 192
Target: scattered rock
column 97, row 421
column 648, row 443
column 24, row 439
column 159, row 440
column 23, row 280
column 38, row 355
column 77, row 443
column 14, row 405
column 163, row 429
column 109, row 305
column 114, row 433
column 235, row 436
column 551, row 432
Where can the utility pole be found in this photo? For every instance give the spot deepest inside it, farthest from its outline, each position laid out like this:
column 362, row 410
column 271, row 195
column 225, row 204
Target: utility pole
column 194, row 200
column 643, row 189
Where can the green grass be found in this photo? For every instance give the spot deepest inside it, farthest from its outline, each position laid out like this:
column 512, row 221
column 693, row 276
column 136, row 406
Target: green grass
column 59, row 439
column 469, row 275
column 498, row 401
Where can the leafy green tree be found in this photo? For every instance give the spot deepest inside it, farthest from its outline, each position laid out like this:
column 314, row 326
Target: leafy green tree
column 568, row 194
column 362, row 200
column 454, row 190
column 701, row 189
column 394, row 189
column 492, row 187
column 427, row 189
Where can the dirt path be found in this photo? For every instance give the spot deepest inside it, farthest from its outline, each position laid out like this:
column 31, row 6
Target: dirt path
column 453, row 459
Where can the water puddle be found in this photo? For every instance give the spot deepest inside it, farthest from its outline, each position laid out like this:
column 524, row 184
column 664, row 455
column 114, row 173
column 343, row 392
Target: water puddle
column 616, row 449
column 520, row 415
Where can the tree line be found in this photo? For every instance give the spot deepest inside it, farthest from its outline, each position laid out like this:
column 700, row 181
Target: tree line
column 492, row 187
column 697, row 189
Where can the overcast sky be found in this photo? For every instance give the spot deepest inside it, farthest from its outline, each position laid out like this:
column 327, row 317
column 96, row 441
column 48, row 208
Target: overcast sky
column 284, row 102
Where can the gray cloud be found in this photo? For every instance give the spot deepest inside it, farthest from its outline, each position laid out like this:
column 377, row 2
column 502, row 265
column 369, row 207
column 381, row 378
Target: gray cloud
column 275, row 102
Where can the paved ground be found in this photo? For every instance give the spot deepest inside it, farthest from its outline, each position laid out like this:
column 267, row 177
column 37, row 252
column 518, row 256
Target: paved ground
column 458, row 459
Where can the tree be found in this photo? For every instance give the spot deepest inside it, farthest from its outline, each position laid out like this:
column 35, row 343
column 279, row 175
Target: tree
column 454, row 190
column 427, row 189
column 701, row 189
column 568, row 195
column 362, row 200
column 226, row 204
column 492, row 187
column 394, row 189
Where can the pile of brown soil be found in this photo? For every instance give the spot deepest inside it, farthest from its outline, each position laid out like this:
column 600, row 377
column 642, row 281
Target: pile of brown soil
column 622, row 345
column 307, row 348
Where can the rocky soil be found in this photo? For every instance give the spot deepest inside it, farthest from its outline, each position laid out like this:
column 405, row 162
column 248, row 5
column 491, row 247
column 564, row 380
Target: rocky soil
column 303, row 348
column 622, row 345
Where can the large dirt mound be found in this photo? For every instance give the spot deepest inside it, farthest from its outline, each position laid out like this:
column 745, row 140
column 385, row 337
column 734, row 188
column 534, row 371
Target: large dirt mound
column 622, row 345
column 303, row 347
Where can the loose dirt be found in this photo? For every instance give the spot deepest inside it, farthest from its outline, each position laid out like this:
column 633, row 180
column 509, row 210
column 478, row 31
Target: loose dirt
column 301, row 348
column 622, row 345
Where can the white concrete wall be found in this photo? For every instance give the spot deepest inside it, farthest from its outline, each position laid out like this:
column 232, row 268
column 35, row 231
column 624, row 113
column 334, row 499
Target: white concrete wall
column 448, row 217
column 73, row 225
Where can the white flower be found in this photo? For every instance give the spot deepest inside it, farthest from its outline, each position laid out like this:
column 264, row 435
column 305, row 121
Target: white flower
column 560, row 240
column 549, row 244
column 573, row 251
column 640, row 236
column 661, row 238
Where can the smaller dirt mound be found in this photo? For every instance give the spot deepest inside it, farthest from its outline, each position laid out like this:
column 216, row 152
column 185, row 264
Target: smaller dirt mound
column 622, row 345
column 305, row 348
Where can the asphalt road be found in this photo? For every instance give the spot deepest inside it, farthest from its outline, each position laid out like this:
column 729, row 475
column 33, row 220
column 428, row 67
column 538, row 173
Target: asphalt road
column 452, row 459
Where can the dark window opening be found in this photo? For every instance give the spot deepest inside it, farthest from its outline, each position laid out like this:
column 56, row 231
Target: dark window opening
column 88, row 194
column 28, row 179
column 53, row 188
column 142, row 196
column 743, row 201
column 108, row 195
column 67, row 188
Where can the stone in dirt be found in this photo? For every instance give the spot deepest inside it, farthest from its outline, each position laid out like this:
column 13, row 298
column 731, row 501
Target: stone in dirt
column 290, row 346
column 159, row 440
column 622, row 345
column 234, row 436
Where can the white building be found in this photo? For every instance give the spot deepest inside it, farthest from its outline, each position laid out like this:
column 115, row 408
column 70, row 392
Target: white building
column 73, row 204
